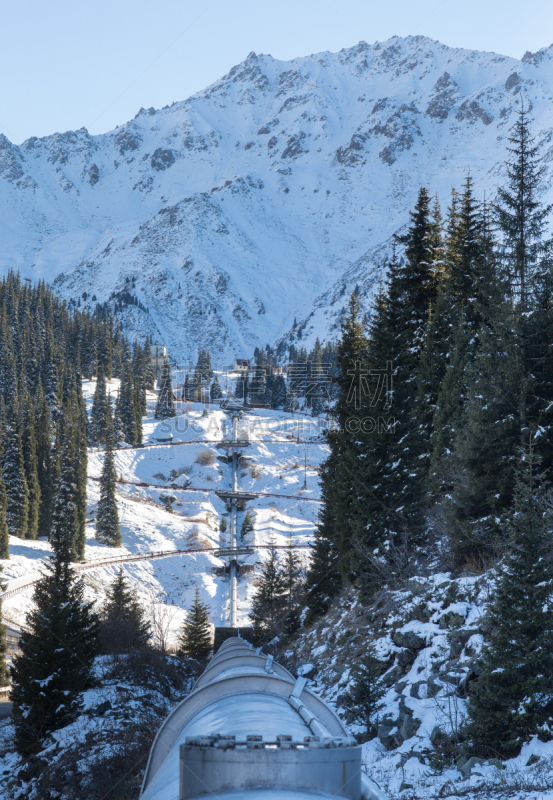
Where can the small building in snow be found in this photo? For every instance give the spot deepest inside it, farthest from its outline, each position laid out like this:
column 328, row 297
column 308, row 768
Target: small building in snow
column 241, row 365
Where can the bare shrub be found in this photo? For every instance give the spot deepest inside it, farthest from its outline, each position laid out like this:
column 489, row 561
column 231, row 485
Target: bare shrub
column 160, row 476
column 255, row 471
column 161, row 617
column 176, row 473
column 393, row 565
column 205, row 457
column 150, row 669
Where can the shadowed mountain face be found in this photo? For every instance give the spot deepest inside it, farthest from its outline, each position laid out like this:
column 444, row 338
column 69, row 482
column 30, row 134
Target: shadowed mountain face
column 247, row 212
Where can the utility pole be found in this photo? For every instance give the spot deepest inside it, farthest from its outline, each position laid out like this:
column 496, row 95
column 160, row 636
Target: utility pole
column 305, row 471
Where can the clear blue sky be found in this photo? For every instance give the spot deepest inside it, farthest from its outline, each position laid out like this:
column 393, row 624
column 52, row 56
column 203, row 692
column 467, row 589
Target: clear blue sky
column 66, row 64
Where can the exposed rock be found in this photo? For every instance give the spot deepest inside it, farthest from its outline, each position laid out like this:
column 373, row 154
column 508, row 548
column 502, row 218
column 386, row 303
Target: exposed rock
column 162, row 159
column 405, row 658
column 458, row 639
column 93, row 174
column 419, row 690
column 409, row 639
column 472, row 111
column 388, row 734
column 512, row 82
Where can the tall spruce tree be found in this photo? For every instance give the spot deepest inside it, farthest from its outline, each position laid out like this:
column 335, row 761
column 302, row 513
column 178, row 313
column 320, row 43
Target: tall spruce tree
column 165, row 407
column 65, row 523
column 215, row 392
column 4, row 673
column 15, row 482
column 364, row 699
column 337, row 472
column 99, row 410
column 507, row 401
column 107, row 518
column 57, row 649
column 513, row 697
column 196, row 640
column 30, row 460
column 269, row 601
column 247, row 527
column 4, row 535
column 123, row 622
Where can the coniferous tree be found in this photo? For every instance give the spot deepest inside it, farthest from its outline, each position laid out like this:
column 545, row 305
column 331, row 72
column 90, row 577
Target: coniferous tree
column 279, row 395
column 45, row 458
column 269, row 600
column 364, row 699
column 65, row 522
column 247, row 526
column 149, row 378
column 123, row 623
column 293, row 575
column 506, row 402
column 99, row 410
column 4, row 673
column 127, row 403
column 15, row 482
column 4, row 535
column 53, row 669
column 513, row 697
column 77, row 407
column 118, row 429
column 30, row 461
column 323, row 580
column 216, row 392
column 196, row 639
column 165, row 407
column 258, row 380
column 107, row 518
column 343, row 461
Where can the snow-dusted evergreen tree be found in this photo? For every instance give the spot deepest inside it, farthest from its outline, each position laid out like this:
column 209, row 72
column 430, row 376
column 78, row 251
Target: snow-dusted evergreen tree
column 4, row 674
column 364, row 699
column 149, row 371
column 127, row 403
column 165, row 407
column 118, row 429
column 15, row 482
column 30, row 461
column 513, row 697
column 293, row 575
column 4, row 535
column 247, row 526
column 53, row 668
column 279, row 396
column 216, row 393
column 99, row 410
column 323, row 580
column 269, row 600
column 510, row 382
column 196, row 637
column 65, row 521
column 107, row 517
column 124, row 626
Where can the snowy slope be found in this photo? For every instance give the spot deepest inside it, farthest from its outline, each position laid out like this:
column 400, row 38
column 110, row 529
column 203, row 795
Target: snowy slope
column 168, row 584
column 266, row 197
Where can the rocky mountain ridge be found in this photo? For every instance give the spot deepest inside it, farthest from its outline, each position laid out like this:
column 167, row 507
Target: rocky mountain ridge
column 245, row 214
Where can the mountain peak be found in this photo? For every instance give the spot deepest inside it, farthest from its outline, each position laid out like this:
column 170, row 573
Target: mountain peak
column 297, row 171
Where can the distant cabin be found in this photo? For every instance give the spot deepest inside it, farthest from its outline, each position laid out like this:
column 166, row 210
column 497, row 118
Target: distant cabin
column 278, row 370
column 241, row 365
column 159, row 356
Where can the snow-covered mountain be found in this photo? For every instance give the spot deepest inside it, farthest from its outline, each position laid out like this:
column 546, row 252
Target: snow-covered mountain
column 246, row 212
